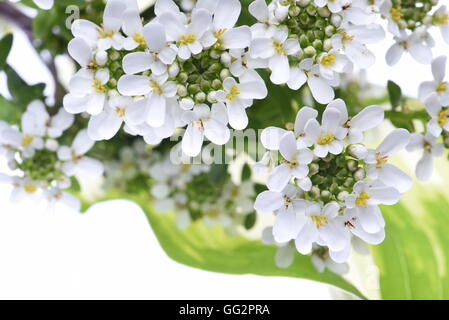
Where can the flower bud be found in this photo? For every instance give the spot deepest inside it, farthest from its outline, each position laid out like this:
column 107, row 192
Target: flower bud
column 173, row 70
column 309, row 51
column 358, row 151
column 336, row 20
column 200, row 97
column 359, row 174
column 226, row 59
column 186, row 104
column 101, row 58
column 181, row 90
column 224, row 74
column 342, row 195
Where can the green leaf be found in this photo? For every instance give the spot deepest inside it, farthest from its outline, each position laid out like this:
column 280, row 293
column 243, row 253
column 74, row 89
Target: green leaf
column 5, row 48
column 414, row 257
column 212, row 249
column 395, row 93
column 250, row 220
column 9, row 111
column 21, row 92
column 246, row 172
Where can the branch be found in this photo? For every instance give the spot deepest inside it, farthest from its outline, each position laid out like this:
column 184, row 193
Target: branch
column 25, row 23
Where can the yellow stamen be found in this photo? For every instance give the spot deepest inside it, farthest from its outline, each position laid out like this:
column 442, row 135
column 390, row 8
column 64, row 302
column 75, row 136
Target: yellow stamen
column 441, row 20
column 442, row 87
column 121, row 111
column 396, row 14
column 30, row 188
column 156, row 88
column 361, row 199
column 380, row 160
column 219, row 35
column 443, row 117
column 320, row 221
column 27, row 140
column 233, row 93
column 140, row 39
column 187, row 39
column 346, row 37
column 104, row 33
column 328, row 60
column 99, row 86
column 279, row 48
column 326, row 139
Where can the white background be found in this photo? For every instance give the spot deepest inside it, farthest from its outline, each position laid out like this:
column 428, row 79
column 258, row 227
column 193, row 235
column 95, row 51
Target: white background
column 111, row 252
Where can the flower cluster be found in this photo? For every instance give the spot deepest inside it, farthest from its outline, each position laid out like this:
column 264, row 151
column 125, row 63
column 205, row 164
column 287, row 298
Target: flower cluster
column 409, row 22
column 313, row 41
column 178, row 70
column 41, row 168
column 435, row 94
column 190, row 191
column 328, row 185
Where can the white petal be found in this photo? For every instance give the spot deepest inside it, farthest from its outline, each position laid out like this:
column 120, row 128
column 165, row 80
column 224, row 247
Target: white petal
column 192, row 141
column 133, row 85
column 268, row 201
column 279, row 178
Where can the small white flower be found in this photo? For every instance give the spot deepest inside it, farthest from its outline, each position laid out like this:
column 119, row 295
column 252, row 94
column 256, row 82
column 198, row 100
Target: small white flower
column 441, row 19
column 239, row 96
column 276, row 50
column 413, row 44
column 187, row 37
column 332, row 62
column 439, row 115
column 157, row 57
column 431, row 149
column 322, row 259
column 320, row 226
column 74, row 158
column 369, row 118
column 55, row 196
column 326, row 138
column 296, row 165
column 106, row 36
column 265, row 15
column 156, row 89
column 204, row 122
column 377, row 160
column 438, row 86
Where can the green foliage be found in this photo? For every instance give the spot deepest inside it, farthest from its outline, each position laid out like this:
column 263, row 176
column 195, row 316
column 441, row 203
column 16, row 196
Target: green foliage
column 5, row 48
column 395, row 93
column 414, row 257
column 21, row 92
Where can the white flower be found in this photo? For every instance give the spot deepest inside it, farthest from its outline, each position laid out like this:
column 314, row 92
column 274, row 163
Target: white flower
column 438, row 86
column 353, row 39
column 74, row 158
column 334, row 6
column 413, row 44
column 59, row 123
column 105, row 125
column 56, row 195
column 377, row 160
column 296, row 165
column 265, row 16
column 241, row 62
column 332, row 62
column 431, row 149
column 370, row 117
column 204, row 122
column 439, row 115
column 322, row 260
column 239, row 96
column 187, row 37
column 223, row 34
column 106, row 36
column 326, row 138
column 441, row 19
column 88, row 92
column 321, row 227
column 309, row 72
column 276, row 50
column 24, row 188
column 289, row 218
column 363, row 203
column 157, row 57
column 156, row 89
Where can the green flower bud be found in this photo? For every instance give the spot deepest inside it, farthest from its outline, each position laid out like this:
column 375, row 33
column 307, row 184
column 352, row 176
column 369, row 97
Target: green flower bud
column 315, row 192
column 224, row 74
column 324, row 12
column 342, row 195
column 309, row 51
column 349, row 183
column 294, row 11
column 304, row 41
column 359, row 174
column 181, row 91
column 182, row 77
column 216, row 84
column 352, row 165
column 200, row 97
column 318, row 45
column 326, row 196
column 314, row 168
column 194, row 89
column 205, row 85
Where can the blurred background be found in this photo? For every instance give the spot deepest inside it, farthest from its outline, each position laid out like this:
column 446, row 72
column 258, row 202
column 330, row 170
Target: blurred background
column 111, row 251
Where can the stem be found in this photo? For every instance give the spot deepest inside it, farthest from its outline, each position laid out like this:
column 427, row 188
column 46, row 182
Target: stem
column 25, row 23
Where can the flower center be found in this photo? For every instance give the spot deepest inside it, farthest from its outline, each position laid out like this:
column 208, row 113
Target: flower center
column 443, row 117
column 328, row 60
column 233, row 93
column 326, row 139
column 99, row 86
column 361, row 199
column 320, row 221
column 27, row 140
column 140, row 39
column 75, row 158
column 156, row 88
column 30, row 188
column 104, row 33
column 427, row 146
column 346, row 37
column 442, row 20
column 121, row 111
column 187, row 39
column 442, row 87
column 380, row 160
column 219, row 35
column 279, row 48
column 396, row 14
